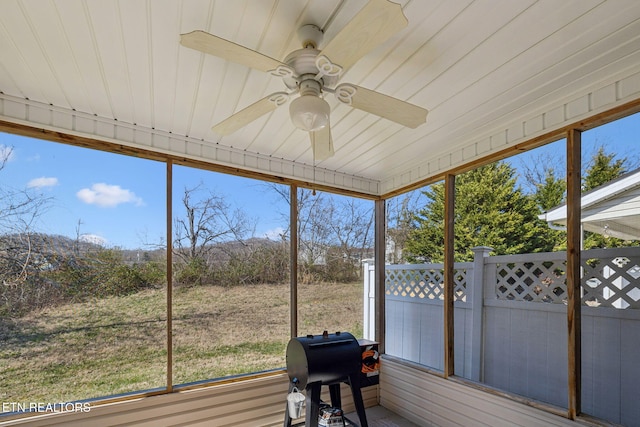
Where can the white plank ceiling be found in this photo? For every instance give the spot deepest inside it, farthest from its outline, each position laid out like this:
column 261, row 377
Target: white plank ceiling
column 492, row 73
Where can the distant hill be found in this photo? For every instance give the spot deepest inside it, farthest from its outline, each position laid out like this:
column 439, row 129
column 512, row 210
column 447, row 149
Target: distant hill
column 45, row 248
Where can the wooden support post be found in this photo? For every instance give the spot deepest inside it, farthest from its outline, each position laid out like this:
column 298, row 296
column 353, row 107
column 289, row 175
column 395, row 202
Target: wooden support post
column 573, row 270
column 293, row 260
column 449, row 282
column 169, row 219
column 379, row 248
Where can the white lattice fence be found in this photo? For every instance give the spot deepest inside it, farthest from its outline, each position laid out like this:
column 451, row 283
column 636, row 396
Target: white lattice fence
column 611, row 278
column 532, row 281
column 509, row 332
column 423, row 281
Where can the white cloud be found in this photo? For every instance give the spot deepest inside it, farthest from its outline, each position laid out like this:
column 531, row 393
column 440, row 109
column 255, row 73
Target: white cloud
column 274, row 234
column 42, row 182
column 108, row 196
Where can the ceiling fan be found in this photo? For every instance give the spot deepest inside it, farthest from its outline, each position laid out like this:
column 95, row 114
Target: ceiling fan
column 310, row 73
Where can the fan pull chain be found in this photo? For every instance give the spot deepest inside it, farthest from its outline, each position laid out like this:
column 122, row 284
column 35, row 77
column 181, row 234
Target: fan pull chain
column 313, row 190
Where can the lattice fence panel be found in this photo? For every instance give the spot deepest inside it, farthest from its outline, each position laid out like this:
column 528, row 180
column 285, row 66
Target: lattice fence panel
column 611, row 282
column 606, row 281
column 532, row 281
column 423, row 283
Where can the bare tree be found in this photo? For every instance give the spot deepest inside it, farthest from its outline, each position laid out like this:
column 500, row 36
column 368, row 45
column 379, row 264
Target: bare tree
column 314, row 221
column 20, row 256
column 333, row 232
column 400, row 223
column 208, row 220
column 19, row 210
column 314, row 226
column 281, row 192
column 351, row 226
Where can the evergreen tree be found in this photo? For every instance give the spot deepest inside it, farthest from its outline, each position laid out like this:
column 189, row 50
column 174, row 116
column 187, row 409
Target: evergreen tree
column 490, row 210
column 603, row 168
column 550, row 192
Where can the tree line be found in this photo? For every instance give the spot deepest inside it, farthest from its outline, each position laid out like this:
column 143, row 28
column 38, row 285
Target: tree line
column 493, row 209
column 214, row 243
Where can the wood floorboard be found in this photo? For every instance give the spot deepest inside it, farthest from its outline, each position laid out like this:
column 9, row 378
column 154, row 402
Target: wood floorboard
column 378, row 416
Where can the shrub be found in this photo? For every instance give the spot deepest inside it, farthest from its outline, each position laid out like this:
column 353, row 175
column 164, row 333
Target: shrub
column 262, row 263
column 19, row 297
column 76, row 276
column 194, row 272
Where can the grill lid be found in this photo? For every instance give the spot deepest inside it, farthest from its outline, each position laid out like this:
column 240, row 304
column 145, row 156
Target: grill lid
column 327, row 358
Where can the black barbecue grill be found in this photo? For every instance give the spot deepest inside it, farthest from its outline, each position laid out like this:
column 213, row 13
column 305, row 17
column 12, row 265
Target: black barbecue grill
column 327, row 359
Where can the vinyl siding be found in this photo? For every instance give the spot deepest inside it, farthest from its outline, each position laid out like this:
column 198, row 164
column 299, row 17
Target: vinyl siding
column 250, row 403
column 429, row 400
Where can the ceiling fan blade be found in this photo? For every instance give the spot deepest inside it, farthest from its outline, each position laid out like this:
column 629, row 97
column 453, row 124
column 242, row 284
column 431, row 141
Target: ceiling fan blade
column 251, row 113
column 376, row 22
column 214, row 45
column 382, row 105
column 322, row 143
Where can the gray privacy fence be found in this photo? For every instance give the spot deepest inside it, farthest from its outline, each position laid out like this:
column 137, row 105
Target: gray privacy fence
column 510, row 327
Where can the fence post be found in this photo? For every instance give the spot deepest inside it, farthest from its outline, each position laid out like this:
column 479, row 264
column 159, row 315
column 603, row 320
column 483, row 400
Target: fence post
column 477, row 294
column 369, row 301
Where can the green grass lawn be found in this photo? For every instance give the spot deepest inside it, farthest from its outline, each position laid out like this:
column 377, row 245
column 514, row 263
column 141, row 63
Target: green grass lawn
column 119, row 344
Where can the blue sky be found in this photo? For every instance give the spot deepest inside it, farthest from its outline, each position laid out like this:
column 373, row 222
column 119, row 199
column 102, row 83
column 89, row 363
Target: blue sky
column 621, row 137
column 120, row 200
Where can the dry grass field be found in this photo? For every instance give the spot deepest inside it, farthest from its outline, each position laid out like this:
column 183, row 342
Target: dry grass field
column 119, row 344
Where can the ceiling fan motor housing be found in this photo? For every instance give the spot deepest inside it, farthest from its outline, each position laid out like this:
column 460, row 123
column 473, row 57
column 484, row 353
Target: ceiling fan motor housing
column 310, row 35
column 303, row 62
column 309, row 86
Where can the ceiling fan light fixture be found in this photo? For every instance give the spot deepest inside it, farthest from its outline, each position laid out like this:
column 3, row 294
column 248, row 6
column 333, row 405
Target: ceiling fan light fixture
column 309, row 112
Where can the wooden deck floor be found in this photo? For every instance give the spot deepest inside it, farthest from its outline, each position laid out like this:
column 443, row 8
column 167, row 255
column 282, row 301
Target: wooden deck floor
column 378, row 416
